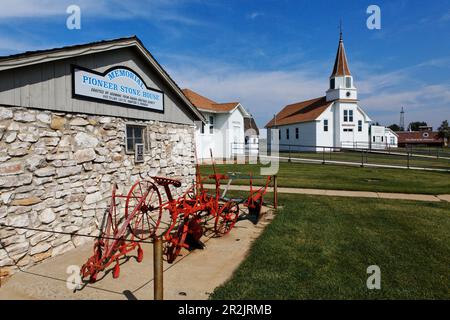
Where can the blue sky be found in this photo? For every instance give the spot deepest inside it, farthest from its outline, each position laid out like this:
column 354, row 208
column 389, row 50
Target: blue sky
column 266, row 53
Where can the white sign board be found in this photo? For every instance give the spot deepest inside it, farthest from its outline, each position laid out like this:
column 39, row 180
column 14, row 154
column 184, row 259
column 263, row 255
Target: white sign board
column 119, row 85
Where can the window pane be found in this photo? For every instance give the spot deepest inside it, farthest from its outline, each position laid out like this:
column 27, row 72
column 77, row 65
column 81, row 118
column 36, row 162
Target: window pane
column 129, row 132
column 138, row 132
column 130, row 144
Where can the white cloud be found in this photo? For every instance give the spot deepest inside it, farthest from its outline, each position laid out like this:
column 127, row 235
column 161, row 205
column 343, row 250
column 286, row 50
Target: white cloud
column 255, row 15
column 429, row 103
column 151, row 10
column 266, row 92
column 445, row 17
column 263, row 93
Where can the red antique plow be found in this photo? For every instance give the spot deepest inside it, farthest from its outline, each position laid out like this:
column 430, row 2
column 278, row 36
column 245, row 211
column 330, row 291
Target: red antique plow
column 144, row 211
column 141, row 220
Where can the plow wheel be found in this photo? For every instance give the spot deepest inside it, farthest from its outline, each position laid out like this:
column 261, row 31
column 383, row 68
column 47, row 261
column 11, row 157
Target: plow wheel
column 226, row 218
column 143, row 207
column 176, row 242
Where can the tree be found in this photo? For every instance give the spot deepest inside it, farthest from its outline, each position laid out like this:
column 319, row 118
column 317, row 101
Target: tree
column 395, row 127
column 414, row 126
column 444, row 132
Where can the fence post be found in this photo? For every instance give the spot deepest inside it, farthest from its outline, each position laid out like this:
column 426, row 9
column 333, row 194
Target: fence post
column 289, row 153
column 407, row 157
column 158, row 288
column 362, row 158
column 323, row 161
column 275, row 191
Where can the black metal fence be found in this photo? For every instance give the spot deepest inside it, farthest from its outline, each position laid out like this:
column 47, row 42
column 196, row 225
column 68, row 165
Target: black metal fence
column 425, row 158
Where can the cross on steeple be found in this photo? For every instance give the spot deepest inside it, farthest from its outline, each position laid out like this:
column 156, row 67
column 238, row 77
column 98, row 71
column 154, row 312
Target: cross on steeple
column 340, row 30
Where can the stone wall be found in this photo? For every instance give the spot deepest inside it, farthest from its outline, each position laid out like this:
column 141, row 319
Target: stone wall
column 56, row 172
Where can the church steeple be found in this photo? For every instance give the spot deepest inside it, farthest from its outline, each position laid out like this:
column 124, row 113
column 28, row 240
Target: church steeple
column 340, row 64
column 341, row 80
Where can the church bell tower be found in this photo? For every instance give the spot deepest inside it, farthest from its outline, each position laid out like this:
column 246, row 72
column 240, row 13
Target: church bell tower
column 341, row 80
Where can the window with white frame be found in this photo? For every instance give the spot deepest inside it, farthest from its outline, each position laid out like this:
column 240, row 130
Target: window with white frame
column 345, row 115
column 297, row 133
column 287, row 134
column 360, row 125
column 325, row 125
column 392, row 141
column 350, row 115
column 136, row 134
column 211, row 124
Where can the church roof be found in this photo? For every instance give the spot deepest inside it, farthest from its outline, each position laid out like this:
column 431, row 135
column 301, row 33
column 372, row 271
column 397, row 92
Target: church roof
column 303, row 111
column 206, row 104
column 340, row 65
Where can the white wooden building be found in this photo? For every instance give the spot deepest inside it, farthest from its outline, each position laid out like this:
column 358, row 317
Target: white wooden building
column 224, row 131
column 335, row 120
column 382, row 138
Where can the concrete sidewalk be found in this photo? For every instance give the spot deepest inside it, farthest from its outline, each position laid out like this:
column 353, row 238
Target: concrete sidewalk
column 346, row 193
column 193, row 276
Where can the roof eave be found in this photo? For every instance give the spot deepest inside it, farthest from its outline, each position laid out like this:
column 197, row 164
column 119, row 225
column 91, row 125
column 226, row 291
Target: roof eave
column 43, row 56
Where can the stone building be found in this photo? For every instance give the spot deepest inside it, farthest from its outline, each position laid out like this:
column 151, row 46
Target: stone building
column 70, row 121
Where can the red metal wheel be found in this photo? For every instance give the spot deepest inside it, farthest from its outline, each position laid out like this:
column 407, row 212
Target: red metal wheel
column 226, row 218
column 143, row 208
column 176, row 242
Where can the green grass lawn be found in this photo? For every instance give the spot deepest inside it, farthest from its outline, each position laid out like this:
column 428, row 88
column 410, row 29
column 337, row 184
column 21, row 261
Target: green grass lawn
column 348, row 178
column 320, row 247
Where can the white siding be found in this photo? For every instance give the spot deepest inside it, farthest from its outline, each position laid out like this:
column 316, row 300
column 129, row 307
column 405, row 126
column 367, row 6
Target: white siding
column 228, row 128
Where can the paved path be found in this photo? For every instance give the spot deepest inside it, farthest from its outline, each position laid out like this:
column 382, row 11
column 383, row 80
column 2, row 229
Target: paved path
column 193, row 276
column 345, row 193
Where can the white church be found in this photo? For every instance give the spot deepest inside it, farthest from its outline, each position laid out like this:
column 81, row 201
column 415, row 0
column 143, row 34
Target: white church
column 334, row 120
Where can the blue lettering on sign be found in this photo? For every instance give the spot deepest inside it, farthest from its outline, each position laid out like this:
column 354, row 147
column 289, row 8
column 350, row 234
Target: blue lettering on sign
column 99, row 83
column 127, row 74
column 115, row 86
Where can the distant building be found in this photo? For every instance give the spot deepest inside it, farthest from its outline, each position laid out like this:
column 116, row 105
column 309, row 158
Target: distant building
column 334, row 120
column 224, row 132
column 423, row 138
column 382, row 138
